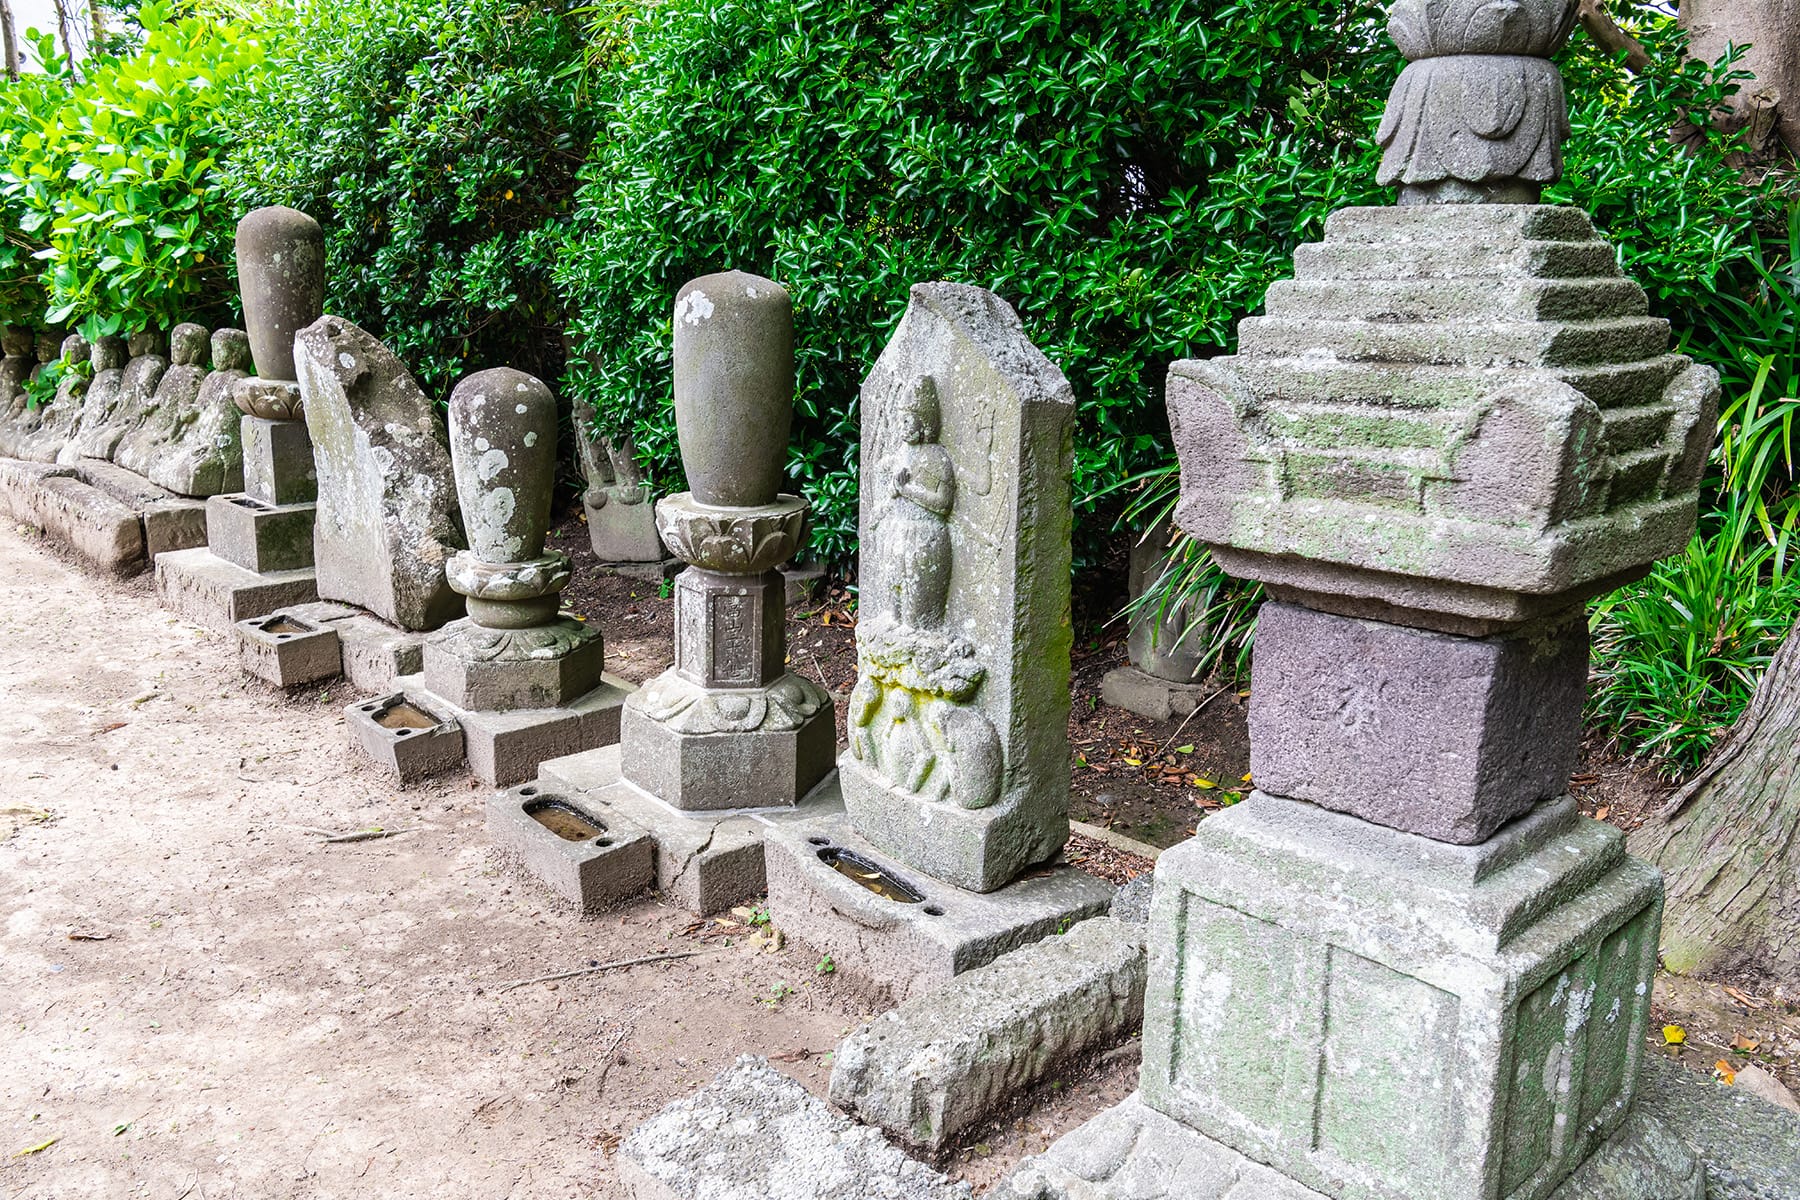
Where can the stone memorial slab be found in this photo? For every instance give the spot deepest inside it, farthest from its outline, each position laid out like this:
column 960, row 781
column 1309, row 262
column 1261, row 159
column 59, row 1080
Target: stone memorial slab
column 958, row 754
column 1165, row 643
column 387, row 523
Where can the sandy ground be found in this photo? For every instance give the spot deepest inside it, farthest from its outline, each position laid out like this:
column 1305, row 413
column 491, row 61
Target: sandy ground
column 200, row 999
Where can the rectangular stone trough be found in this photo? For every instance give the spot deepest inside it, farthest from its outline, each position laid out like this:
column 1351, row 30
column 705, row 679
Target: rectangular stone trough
column 404, row 737
column 288, row 650
column 590, row 860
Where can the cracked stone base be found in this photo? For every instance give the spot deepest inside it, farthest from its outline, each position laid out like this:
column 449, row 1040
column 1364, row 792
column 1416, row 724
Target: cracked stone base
column 895, row 948
column 1144, row 694
column 205, row 589
column 505, row 748
column 705, row 861
column 1133, row 1152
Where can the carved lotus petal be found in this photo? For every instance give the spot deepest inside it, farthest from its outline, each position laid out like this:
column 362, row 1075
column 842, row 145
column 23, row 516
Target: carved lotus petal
column 1433, row 28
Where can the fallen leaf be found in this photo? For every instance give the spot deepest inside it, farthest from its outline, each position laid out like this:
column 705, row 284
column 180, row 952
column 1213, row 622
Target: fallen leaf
column 1600, row 813
column 1674, row 1035
column 89, row 937
column 1133, row 762
column 1725, row 1074
column 1244, row 778
column 1744, row 998
column 1205, row 784
column 1187, row 749
column 1747, row 1045
column 37, row 1148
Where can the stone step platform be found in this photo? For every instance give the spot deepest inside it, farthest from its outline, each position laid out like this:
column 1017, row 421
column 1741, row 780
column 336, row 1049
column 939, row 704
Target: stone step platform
column 215, row 594
column 508, row 747
column 704, row 861
column 113, row 520
column 919, row 932
column 754, row 1134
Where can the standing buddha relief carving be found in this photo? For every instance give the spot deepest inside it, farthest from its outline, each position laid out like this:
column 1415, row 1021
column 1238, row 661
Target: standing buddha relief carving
column 914, row 719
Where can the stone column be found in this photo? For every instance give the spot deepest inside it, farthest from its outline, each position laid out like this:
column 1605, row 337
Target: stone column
column 729, row 726
column 281, row 279
column 1405, row 966
column 1162, row 679
column 512, row 651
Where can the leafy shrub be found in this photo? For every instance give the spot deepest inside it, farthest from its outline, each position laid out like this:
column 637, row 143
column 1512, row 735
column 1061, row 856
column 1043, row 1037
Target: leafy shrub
column 108, row 179
column 438, row 147
column 1129, row 177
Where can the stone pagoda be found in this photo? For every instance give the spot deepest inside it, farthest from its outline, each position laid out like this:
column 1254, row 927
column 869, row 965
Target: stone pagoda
column 1405, row 967
column 956, row 777
column 259, row 551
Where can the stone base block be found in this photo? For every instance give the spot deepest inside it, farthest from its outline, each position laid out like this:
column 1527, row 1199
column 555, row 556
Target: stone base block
column 803, row 581
column 287, row 650
column 649, row 572
column 624, row 534
column 706, row 861
column 259, row 536
column 505, row 748
column 215, row 594
column 711, row 772
column 922, row 932
column 278, row 462
column 564, row 661
column 1384, row 1017
column 103, row 533
column 754, row 1134
column 376, row 654
column 177, row 523
column 407, row 736
column 582, row 857
column 1133, row 1152
column 950, row 1059
column 1140, row 692
column 1446, row 736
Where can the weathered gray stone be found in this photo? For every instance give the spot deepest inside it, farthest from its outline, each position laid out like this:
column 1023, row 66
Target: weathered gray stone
column 1135, row 691
column 1458, row 446
column 1751, row 1149
column 1166, row 642
column 589, row 860
column 1455, row 1022
column 1445, row 736
column 958, row 755
column 386, row 523
column 377, row 655
column 619, row 504
column 754, row 1134
column 260, row 537
column 728, row 725
column 98, row 530
column 17, row 358
column 178, row 523
column 278, row 460
column 188, row 441
column 103, row 410
column 512, row 651
column 507, row 746
column 734, row 386
column 281, row 278
column 405, row 735
column 705, row 861
column 288, row 650
column 214, row 594
column 948, row 1060
column 1131, row 903
column 924, row 932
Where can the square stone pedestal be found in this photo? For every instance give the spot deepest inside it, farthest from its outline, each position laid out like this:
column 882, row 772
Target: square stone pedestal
column 916, row 932
column 288, row 651
column 215, row 594
column 1379, row 1016
column 1140, row 692
column 505, row 748
column 371, row 654
column 259, row 536
column 704, row 861
column 404, row 737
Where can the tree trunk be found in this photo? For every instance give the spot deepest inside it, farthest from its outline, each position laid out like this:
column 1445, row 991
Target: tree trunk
column 1729, row 842
column 1769, row 107
column 9, row 41
column 65, row 28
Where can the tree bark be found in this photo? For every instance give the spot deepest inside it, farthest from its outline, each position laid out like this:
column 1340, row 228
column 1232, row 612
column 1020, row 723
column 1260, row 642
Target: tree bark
column 1768, row 108
column 9, row 41
column 1729, row 842
column 1610, row 38
column 66, row 29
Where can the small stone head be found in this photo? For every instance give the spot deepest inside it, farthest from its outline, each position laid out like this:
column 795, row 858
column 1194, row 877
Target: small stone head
column 230, row 350
column 16, row 341
column 108, row 354
column 144, row 343
column 49, row 347
column 281, row 279
column 1433, row 28
column 188, row 345
column 75, row 348
column 918, row 412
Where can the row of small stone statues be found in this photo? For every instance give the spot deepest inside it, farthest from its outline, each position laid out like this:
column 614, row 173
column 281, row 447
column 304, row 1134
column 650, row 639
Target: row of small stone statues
column 161, row 408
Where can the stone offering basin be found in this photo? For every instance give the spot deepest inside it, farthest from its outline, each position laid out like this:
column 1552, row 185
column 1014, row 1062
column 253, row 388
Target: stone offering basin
column 590, row 860
column 288, row 650
column 404, row 736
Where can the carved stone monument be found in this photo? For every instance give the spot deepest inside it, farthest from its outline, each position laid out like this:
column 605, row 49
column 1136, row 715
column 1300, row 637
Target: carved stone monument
column 1164, row 643
column 956, row 775
column 522, row 681
column 619, row 505
column 259, row 553
column 727, row 743
column 1405, row 966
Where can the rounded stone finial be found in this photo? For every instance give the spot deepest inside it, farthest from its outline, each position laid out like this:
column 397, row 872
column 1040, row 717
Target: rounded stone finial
column 230, row 350
column 281, row 278
column 503, row 450
column 1478, row 115
column 734, row 386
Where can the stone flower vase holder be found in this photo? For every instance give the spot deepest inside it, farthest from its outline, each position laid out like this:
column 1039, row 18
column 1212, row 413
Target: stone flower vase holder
column 728, row 726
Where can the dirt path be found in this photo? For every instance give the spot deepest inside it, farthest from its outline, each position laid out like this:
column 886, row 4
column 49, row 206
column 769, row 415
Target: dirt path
column 267, row 1016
